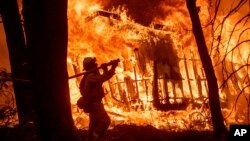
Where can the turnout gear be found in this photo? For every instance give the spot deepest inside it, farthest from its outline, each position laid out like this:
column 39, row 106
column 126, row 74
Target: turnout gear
column 92, row 94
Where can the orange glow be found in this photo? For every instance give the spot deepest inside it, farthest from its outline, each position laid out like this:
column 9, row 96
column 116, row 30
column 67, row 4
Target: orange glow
column 111, row 34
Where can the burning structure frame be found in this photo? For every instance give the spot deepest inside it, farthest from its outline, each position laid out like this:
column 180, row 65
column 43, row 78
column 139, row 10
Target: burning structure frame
column 161, row 90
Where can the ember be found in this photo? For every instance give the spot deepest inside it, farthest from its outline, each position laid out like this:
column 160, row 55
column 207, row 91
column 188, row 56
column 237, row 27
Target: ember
column 160, row 75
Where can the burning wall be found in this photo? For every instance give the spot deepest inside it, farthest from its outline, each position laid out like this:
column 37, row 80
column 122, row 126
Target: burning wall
column 142, row 34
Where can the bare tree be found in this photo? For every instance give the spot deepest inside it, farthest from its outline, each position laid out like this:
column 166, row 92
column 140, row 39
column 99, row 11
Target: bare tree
column 213, row 93
column 18, row 59
column 233, row 65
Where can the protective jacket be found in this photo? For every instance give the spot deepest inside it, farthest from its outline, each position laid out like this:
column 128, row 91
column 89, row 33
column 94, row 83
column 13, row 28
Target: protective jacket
column 91, row 85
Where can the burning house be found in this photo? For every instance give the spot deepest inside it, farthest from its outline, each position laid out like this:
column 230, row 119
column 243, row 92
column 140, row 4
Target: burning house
column 160, row 75
column 160, row 80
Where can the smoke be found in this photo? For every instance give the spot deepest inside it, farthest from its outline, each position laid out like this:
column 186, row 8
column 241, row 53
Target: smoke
column 142, row 12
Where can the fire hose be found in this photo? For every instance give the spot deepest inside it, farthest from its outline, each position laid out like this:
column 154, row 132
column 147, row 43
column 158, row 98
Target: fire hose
column 92, row 70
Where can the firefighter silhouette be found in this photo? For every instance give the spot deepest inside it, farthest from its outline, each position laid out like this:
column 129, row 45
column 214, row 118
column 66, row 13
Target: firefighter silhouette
column 92, row 91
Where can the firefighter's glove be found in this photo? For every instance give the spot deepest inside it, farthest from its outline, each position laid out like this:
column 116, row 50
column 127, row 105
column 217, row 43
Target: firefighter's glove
column 115, row 63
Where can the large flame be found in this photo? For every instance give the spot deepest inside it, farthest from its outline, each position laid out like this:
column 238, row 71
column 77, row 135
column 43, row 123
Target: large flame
column 138, row 36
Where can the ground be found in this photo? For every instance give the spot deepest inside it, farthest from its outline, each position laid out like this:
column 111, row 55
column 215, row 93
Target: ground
column 118, row 133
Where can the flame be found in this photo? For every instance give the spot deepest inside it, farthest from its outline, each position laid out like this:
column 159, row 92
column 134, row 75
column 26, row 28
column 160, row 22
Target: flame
column 111, row 33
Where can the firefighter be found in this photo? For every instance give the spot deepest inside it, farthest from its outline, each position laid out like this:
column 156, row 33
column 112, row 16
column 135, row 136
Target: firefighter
column 92, row 91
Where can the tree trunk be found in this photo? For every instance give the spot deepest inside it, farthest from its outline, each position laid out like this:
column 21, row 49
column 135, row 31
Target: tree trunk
column 18, row 58
column 213, row 94
column 48, row 25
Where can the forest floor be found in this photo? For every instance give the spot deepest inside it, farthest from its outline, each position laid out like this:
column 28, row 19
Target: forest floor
column 118, row 133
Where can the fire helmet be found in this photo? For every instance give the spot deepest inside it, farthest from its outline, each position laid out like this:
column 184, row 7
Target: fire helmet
column 89, row 63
